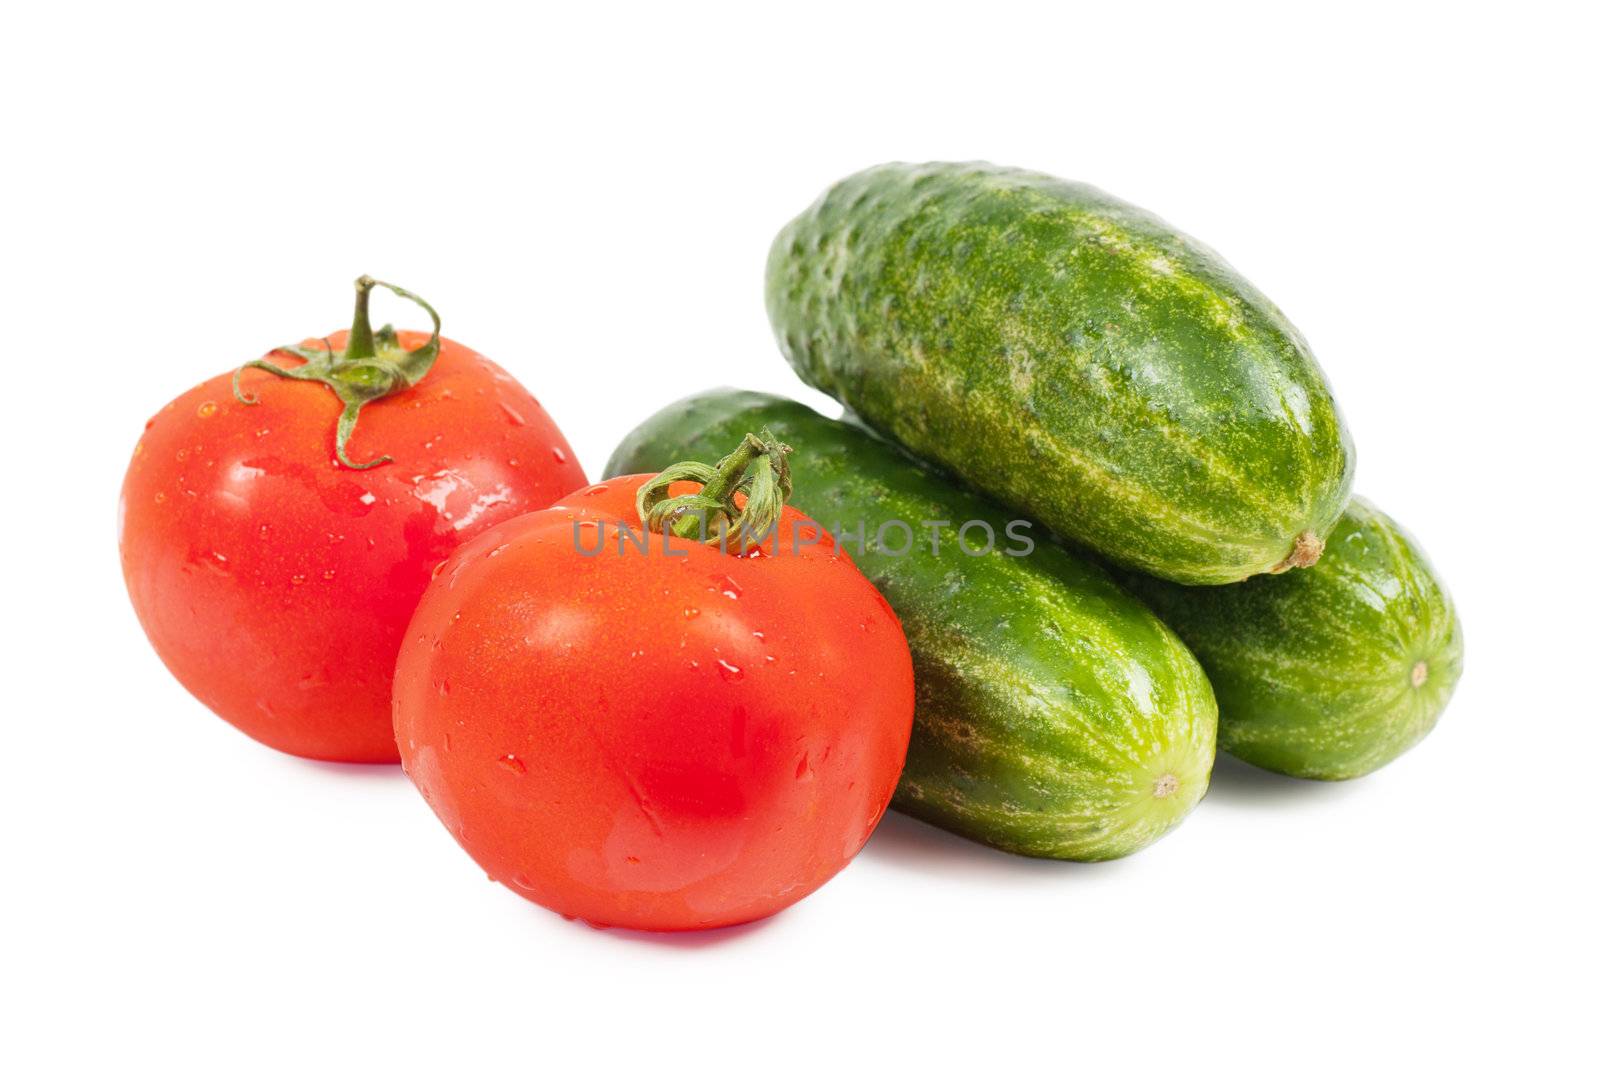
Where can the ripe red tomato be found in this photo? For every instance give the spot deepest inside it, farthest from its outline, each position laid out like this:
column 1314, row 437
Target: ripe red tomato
column 276, row 582
column 652, row 741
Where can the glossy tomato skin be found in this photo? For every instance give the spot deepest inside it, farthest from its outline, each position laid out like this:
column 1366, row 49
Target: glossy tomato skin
column 274, row 583
column 663, row 743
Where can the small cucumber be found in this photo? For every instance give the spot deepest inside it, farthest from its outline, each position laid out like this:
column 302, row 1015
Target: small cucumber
column 1073, row 357
column 1056, row 715
column 1329, row 672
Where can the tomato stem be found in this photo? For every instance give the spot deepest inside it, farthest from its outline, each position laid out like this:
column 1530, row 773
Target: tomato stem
column 758, row 468
column 369, row 367
column 360, row 344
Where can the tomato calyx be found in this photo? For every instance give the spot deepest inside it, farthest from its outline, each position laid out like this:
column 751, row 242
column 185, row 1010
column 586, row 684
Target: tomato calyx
column 758, row 469
column 372, row 365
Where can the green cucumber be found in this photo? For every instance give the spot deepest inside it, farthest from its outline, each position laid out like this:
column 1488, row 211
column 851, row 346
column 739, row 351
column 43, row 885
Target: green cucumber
column 1073, row 357
column 1329, row 672
column 1056, row 715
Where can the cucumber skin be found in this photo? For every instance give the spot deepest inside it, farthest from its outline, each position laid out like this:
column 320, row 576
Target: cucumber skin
column 1069, row 355
column 1313, row 669
column 1049, row 701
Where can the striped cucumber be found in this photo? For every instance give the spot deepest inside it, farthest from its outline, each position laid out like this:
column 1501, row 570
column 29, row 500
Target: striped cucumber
column 1072, row 356
column 1056, row 716
column 1329, row 672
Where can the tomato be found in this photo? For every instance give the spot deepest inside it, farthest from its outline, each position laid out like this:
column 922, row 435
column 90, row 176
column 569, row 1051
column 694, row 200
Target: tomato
column 662, row 742
column 274, row 581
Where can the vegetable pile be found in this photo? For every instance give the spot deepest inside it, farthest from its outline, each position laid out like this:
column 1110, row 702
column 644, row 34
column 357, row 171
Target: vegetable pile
column 1087, row 519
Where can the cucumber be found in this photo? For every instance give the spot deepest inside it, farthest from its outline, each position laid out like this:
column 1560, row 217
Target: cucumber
column 1056, row 715
column 1329, row 672
column 1072, row 356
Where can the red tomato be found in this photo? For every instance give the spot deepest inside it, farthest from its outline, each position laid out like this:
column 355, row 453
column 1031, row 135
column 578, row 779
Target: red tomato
column 658, row 742
column 276, row 583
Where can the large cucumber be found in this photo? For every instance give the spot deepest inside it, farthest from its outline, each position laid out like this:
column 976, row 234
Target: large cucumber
column 1329, row 672
column 1056, row 716
column 1072, row 356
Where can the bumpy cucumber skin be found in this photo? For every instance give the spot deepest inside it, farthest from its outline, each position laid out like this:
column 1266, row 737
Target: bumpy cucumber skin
column 1070, row 355
column 1056, row 716
column 1329, row 672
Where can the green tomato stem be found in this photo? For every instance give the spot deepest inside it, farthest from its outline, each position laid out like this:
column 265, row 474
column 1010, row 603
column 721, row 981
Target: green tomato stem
column 369, row 367
column 758, row 468
column 361, row 345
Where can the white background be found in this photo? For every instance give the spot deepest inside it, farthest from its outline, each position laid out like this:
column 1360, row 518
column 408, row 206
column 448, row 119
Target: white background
column 588, row 198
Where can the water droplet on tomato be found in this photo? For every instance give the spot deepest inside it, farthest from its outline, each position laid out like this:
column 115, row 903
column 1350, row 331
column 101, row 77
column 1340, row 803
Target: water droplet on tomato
column 513, row 764
column 207, row 409
column 367, row 498
column 728, row 587
column 802, row 771
column 438, row 568
column 690, row 613
column 513, row 414
column 443, row 687
column 297, row 579
column 729, row 672
column 596, row 490
column 327, row 575
column 560, row 456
